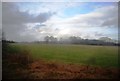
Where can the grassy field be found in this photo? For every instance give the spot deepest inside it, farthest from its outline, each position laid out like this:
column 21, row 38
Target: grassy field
column 105, row 56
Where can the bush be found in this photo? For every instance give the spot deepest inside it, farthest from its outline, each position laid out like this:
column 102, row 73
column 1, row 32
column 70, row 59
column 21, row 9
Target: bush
column 16, row 56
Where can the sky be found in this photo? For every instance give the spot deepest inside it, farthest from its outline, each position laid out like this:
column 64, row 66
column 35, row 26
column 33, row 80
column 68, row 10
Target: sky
column 32, row 21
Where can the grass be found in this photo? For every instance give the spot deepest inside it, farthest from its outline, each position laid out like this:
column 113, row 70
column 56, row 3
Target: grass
column 105, row 56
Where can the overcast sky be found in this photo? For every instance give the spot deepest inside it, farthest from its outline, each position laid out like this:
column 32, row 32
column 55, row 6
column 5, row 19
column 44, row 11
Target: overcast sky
column 33, row 21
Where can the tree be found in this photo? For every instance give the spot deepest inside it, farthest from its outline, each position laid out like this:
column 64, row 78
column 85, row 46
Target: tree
column 46, row 39
column 74, row 39
column 50, row 39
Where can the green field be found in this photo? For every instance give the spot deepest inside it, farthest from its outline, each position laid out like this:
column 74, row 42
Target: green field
column 105, row 56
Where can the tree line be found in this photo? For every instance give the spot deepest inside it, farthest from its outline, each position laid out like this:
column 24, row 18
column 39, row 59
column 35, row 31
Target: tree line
column 77, row 40
column 69, row 40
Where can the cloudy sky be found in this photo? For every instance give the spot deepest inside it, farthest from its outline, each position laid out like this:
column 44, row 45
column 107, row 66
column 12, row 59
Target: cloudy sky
column 32, row 21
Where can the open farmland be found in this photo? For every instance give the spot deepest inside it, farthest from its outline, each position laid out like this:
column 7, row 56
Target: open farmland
column 57, row 61
column 60, row 40
column 106, row 56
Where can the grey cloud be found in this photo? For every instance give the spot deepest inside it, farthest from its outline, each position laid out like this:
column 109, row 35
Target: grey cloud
column 111, row 22
column 12, row 15
column 99, row 34
column 104, row 16
column 42, row 17
column 13, row 22
column 111, row 17
column 41, row 25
